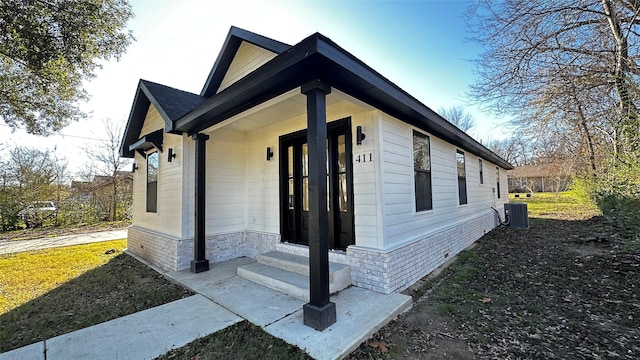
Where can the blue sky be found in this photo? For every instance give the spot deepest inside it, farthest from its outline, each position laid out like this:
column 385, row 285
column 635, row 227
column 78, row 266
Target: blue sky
column 419, row 45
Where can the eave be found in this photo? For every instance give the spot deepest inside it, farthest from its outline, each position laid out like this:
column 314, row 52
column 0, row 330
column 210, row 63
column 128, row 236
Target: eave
column 171, row 104
column 149, row 141
column 317, row 57
column 235, row 37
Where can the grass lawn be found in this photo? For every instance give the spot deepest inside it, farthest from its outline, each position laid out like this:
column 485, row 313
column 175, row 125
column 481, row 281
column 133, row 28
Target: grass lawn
column 568, row 287
column 55, row 291
column 563, row 205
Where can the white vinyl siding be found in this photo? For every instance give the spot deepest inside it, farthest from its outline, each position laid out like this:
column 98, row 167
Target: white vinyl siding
column 248, row 58
column 401, row 223
column 168, row 218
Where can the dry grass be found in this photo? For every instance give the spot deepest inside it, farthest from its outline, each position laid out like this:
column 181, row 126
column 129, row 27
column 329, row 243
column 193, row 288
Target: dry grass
column 51, row 292
column 565, row 205
column 28, row 275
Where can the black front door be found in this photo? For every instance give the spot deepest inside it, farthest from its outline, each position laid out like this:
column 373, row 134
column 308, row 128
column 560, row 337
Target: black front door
column 294, row 182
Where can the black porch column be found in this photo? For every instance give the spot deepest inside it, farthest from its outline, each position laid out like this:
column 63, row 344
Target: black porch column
column 199, row 262
column 319, row 313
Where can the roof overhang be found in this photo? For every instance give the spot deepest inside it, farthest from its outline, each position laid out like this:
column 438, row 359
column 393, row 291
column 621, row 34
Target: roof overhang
column 317, row 57
column 150, row 141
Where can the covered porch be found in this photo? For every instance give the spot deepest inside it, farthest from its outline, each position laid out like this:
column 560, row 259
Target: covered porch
column 243, row 184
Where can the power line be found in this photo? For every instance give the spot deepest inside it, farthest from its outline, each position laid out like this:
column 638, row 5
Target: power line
column 64, row 135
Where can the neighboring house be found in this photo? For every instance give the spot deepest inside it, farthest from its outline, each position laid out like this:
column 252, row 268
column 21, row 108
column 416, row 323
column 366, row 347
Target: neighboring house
column 99, row 192
column 538, row 178
column 305, row 150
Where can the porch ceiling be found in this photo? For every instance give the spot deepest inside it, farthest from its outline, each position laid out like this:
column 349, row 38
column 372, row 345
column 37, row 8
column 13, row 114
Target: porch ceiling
column 286, row 106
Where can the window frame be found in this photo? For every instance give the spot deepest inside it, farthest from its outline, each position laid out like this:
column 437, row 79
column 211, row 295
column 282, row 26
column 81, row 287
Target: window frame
column 498, row 181
column 462, row 178
column 423, row 200
column 152, row 182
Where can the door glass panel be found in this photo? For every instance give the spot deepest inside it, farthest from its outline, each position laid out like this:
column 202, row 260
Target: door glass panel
column 342, row 154
column 291, row 191
column 305, row 194
column 290, row 160
column 290, row 198
column 342, row 199
column 305, row 160
column 305, row 177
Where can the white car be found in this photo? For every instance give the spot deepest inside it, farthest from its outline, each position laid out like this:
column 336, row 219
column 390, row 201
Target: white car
column 37, row 212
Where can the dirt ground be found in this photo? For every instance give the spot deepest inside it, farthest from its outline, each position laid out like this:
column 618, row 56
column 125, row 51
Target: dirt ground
column 562, row 289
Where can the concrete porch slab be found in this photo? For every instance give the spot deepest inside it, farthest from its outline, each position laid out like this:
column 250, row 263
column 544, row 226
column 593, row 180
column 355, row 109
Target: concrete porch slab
column 360, row 313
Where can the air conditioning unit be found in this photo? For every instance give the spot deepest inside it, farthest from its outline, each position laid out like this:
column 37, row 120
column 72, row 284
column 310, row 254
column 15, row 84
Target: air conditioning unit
column 517, row 215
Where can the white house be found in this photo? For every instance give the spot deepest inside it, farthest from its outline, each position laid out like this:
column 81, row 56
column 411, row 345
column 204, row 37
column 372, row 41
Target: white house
column 305, row 150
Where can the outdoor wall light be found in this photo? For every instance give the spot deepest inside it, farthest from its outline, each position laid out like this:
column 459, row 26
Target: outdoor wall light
column 269, row 153
column 359, row 135
column 134, row 167
column 171, row 155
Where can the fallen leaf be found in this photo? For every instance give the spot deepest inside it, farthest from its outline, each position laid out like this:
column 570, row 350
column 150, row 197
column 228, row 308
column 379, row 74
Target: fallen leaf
column 485, row 300
column 519, row 275
column 383, row 347
column 374, row 344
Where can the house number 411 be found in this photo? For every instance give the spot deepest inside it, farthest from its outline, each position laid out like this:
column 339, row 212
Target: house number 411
column 364, row 158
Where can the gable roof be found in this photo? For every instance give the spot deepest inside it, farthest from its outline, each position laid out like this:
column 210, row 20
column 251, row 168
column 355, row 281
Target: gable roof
column 171, row 104
column 234, row 39
column 316, row 57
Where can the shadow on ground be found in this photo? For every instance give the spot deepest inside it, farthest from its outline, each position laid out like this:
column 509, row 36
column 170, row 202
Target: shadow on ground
column 120, row 287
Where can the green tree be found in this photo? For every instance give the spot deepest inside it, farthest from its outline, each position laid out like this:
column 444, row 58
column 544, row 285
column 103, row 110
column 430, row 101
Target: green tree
column 47, row 49
column 27, row 176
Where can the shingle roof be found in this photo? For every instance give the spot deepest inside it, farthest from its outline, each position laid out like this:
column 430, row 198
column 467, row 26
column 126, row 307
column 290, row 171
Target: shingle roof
column 173, row 102
column 314, row 58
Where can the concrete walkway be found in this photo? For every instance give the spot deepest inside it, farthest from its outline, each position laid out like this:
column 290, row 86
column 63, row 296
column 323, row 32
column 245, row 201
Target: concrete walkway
column 223, row 299
column 9, row 247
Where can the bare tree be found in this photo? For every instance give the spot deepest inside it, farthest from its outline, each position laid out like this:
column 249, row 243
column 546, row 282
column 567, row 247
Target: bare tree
column 458, row 117
column 569, row 65
column 105, row 161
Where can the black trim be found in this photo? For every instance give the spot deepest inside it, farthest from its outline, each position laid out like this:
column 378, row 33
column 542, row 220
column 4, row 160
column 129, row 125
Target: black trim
column 200, row 262
column 232, row 43
column 148, row 142
column 319, row 57
column 292, row 223
column 171, row 105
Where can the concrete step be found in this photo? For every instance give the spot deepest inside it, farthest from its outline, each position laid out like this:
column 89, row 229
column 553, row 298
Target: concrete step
column 284, row 281
column 340, row 273
column 289, row 274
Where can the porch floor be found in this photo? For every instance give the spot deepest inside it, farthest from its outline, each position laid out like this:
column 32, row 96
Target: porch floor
column 360, row 312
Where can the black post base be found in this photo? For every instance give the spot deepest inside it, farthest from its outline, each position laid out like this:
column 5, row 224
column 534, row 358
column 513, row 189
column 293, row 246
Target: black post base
column 319, row 318
column 198, row 266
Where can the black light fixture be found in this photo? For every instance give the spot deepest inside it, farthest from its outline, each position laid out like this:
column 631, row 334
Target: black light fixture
column 269, row 153
column 359, row 135
column 134, row 167
column 171, row 155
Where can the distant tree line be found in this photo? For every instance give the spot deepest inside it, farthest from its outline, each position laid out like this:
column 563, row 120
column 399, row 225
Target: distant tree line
column 567, row 73
column 31, row 179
